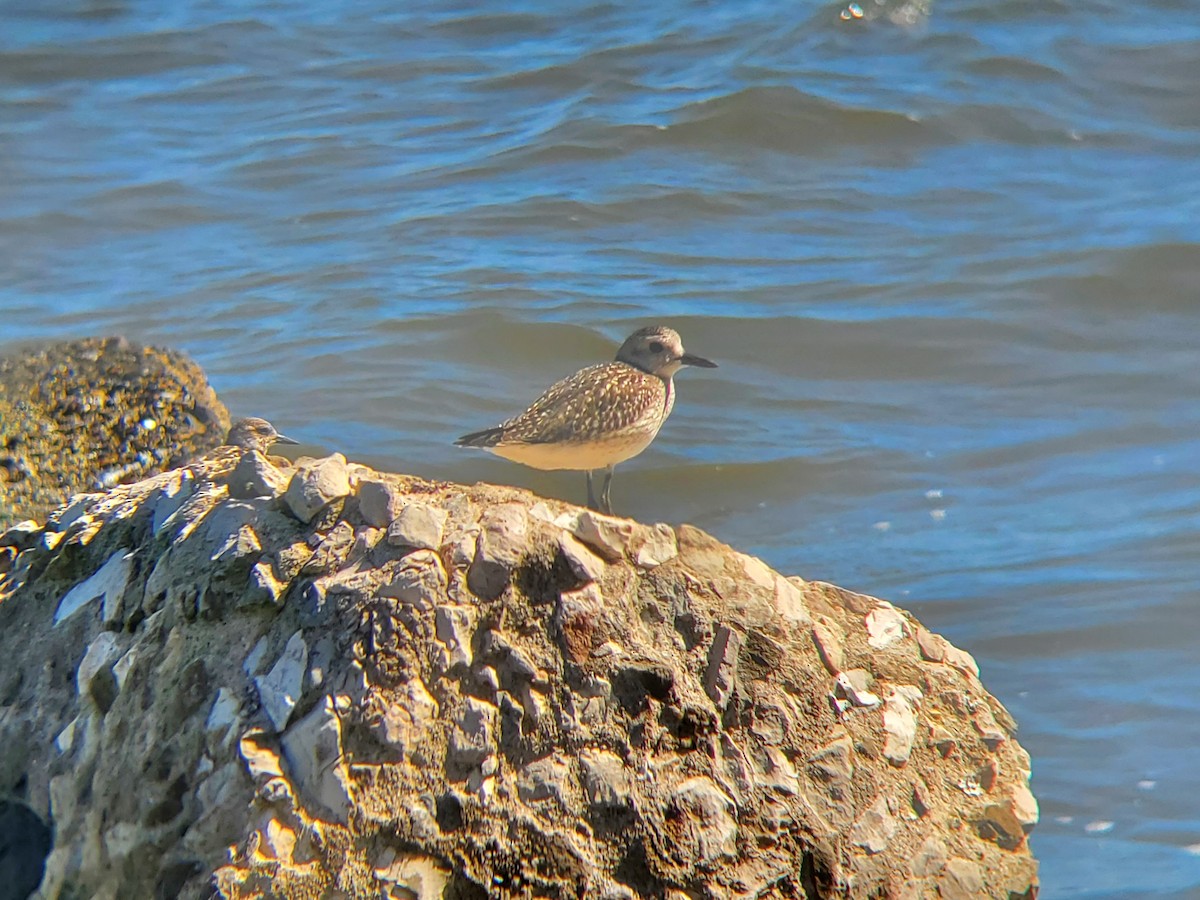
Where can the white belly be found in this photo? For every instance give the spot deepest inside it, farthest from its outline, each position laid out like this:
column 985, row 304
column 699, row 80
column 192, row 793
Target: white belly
column 579, row 457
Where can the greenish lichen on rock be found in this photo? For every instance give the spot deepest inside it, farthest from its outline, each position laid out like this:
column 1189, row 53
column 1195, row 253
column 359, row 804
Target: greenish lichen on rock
column 87, row 415
column 372, row 685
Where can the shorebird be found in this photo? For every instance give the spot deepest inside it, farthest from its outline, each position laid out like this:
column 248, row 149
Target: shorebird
column 598, row 417
column 245, row 435
column 253, row 433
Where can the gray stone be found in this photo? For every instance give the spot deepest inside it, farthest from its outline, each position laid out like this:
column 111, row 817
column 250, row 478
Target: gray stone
column 658, row 546
column 875, row 827
column 420, row 581
column 498, row 549
column 608, row 536
column 828, row 638
column 543, row 779
column 961, row 880
column 711, row 831
column 108, row 584
column 21, row 535
column 885, row 626
column 313, row 750
column 316, row 485
column 256, row 476
column 900, row 722
column 94, row 678
column 279, row 690
column 418, row 525
column 223, row 716
column 585, row 565
column 263, row 589
column 929, row 858
column 854, row 685
column 606, row 781
column 379, row 502
column 720, row 677
column 473, row 737
column 453, row 626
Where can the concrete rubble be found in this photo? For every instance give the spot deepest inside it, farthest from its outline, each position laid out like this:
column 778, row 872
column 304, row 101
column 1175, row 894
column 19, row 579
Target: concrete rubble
column 318, row 680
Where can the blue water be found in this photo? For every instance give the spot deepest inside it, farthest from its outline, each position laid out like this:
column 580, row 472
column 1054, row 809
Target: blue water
column 948, row 257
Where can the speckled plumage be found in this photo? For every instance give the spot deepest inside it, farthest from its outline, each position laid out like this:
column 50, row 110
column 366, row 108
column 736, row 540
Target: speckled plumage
column 601, row 415
column 251, row 433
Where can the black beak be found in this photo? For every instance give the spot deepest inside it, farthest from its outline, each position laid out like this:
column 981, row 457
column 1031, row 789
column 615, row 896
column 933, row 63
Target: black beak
column 691, row 359
column 284, row 439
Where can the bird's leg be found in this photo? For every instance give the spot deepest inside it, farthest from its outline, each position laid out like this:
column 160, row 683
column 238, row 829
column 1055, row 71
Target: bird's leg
column 605, row 503
column 591, row 497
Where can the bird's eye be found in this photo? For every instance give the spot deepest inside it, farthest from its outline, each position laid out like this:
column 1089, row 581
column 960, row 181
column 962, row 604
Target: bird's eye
column 656, row 347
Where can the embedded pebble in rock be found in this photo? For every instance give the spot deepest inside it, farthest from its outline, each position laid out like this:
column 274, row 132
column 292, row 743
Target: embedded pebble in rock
column 608, row 536
column 1024, row 806
column 256, row 476
column 828, row 637
column 417, row 525
column 313, row 750
column 498, row 548
column 316, row 485
column 379, row 502
column 855, row 686
column 722, row 665
column 279, row 689
column 700, row 823
column 606, row 781
column 108, row 585
column 932, row 646
column 586, row 565
column 874, row 829
column 94, row 677
column 499, row 696
column 885, row 625
column 961, row 880
column 657, row 547
column 900, row 722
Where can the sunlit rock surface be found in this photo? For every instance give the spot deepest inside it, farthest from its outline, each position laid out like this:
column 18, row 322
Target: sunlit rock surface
column 318, row 680
column 86, row 415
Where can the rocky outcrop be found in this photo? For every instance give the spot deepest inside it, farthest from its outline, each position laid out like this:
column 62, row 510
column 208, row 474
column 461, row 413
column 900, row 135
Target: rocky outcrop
column 86, row 415
column 318, row 680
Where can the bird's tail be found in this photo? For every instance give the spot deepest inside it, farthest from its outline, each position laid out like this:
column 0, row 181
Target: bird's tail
column 489, row 437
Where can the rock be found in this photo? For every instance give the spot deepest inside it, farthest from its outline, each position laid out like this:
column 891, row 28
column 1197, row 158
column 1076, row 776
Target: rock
column 605, row 780
column 828, row 636
column 700, row 822
column 108, row 585
column 379, row 502
column 930, row 858
column 313, row 750
column 722, row 665
column 854, row 685
column 932, row 646
column 21, row 535
column 418, row 525
column 658, row 546
column 97, row 411
column 279, row 689
column 608, row 536
column 1024, row 806
column 585, row 564
column 900, row 723
column 411, row 876
column 316, row 485
column 255, row 476
column 885, row 626
column 498, row 549
column 874, row 829
column 604, row 719
column 94, row 677
column 961, row 880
